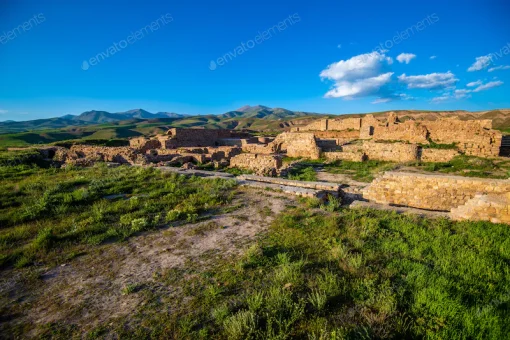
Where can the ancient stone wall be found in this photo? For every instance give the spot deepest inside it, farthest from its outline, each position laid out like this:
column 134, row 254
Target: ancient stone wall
column 493, row 207
column 392, row 152
column 408, row 131
column 261, row 164
column 296, row 144
column 433, row 192
column 345, row 156
column 438, row 155
column 474, row 137
column 343, row 124
column 197, row 137
column 122, row 154
column 144, row 143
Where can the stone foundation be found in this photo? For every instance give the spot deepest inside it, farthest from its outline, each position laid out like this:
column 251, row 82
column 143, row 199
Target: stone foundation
column 438, row 155
column 432, row 192
column 493, row 208
column 260, row 164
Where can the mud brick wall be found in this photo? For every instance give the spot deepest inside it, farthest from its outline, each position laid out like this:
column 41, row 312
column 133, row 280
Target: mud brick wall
column 494, row 208
column 432, row 192
column 297, row 144
column 438, row 155
column 263, row 164
column 408, row 131
column 392, row 152
column 474, row 137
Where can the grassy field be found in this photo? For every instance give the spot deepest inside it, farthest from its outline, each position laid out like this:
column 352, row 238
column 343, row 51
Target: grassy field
column 46, row 213
column 350, row 274
column 470, row 167
column 360, row 171
column 318, row 271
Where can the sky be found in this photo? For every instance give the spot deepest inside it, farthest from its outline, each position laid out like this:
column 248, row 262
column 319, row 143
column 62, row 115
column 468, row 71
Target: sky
column 200, row 57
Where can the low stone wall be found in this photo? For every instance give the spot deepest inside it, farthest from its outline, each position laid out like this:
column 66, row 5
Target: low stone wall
column 438, row 155
column 345, row 156
column 144, row 143
column 123, row 154
column 493, row 207
column 392, row 152
column 433, row 192
column 261, row 164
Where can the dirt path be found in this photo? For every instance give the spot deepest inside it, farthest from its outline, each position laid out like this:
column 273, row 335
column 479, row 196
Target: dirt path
column 90, row 289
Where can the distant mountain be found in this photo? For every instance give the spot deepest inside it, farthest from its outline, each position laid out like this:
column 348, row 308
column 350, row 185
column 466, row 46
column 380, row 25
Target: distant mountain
column 264, row 112
column 240, row 118
column 256, row 118
column 107, row 117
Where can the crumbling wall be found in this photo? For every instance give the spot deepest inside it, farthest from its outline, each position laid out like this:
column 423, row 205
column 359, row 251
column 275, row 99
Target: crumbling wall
column 433, row 192
column 344, row 124
column 337, row 124
column 392, row 152
column 408, row 131
column 368, row 125
column 121, row 154
column 296, row 144
column 474, row 137
column 144, row 143
column 197, row 137
column 345, row 156
column 438, row 155
column 261, row 164
column 493, row 207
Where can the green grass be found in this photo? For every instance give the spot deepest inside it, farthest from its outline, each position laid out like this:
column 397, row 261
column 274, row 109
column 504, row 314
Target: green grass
column 302, row 174
column 360, row 171
column 353, row 274
column 46, row 213
column 471, row 167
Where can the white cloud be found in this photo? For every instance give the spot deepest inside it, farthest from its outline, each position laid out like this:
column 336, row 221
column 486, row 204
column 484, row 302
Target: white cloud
column 339, row 46
column 502, row 67
column 487, row 86
column 360, row 76
column 381, row 100
column 440, row 99
column 405, row 57
column 3, row 112
column 432, row 81
column 360, row 87
column 474, row 83
column 463, row 93
column 432, row 57
column 480, row 63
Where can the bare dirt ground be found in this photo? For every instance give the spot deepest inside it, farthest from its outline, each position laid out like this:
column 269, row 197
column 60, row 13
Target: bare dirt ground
column 91, row 289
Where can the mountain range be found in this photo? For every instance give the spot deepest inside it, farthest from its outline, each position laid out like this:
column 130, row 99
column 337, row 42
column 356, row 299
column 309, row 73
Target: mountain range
column 103, row 125
column 101, row 117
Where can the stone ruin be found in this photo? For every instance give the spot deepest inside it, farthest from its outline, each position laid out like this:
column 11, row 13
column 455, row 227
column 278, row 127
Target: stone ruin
column 353, row 139
column 376, row 138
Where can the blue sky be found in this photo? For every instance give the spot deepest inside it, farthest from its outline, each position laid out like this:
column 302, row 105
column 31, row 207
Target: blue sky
column 318, row 56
